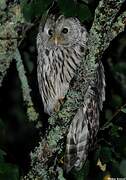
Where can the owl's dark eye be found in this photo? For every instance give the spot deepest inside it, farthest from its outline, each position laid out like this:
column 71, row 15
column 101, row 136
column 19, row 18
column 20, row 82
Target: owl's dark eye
column 50, row 32
column 65, row 30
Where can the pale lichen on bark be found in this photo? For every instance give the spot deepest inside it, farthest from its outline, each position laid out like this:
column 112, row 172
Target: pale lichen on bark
column 101, row 34
column 119, row 25
column 7, row 44
column 9, row 51
column 31, row 113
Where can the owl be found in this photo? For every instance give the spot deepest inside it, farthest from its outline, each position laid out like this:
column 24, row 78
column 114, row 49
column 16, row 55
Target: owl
column 61, row 45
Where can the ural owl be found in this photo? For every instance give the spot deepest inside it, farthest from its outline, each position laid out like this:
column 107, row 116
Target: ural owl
column 61, row 44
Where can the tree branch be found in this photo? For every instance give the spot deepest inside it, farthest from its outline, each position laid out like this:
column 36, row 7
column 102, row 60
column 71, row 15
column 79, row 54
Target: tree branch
column 7, row 46
column 9, row 51
column 31, row 113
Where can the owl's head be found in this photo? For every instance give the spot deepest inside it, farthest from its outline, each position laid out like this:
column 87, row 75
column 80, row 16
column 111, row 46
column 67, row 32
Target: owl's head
column 61, row 32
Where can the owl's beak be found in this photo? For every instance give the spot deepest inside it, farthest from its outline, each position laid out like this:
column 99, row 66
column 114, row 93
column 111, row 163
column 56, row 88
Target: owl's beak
column 56, row 39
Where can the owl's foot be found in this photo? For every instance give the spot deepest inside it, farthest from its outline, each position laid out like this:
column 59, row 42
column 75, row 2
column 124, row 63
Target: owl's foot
column 58, row 104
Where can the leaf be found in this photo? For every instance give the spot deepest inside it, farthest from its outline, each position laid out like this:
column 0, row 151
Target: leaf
column 34, row 8
column 122, row 168
column 115, row 130
column 27, row 10
column 9, row 171
column 123, row 110
column 108, row 114
column 80, row 10
column 101, row 166
column 116, row 100
column 82, row 173
column 2, row 125
column 2, row 154
column 85, row 1
column 106, row 154
column 120, row 67
column 115, row 172
column 83, row 12
column 68, row 8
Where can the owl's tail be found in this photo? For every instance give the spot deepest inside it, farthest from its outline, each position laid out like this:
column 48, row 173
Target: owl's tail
column 85, row 124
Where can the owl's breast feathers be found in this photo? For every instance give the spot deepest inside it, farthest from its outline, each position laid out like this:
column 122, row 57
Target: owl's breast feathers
column 56, row 68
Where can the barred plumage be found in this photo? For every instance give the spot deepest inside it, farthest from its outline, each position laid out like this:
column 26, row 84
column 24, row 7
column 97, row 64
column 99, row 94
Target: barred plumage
column 61, row 46
column 57, row 64
column 85, row 124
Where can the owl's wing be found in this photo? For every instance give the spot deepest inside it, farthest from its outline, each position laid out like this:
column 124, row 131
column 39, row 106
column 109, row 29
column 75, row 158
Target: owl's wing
column 85, row 124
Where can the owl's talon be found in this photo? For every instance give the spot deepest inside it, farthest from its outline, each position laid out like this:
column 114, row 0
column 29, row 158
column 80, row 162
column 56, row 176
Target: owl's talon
column 61, row 100
column 58, row 104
